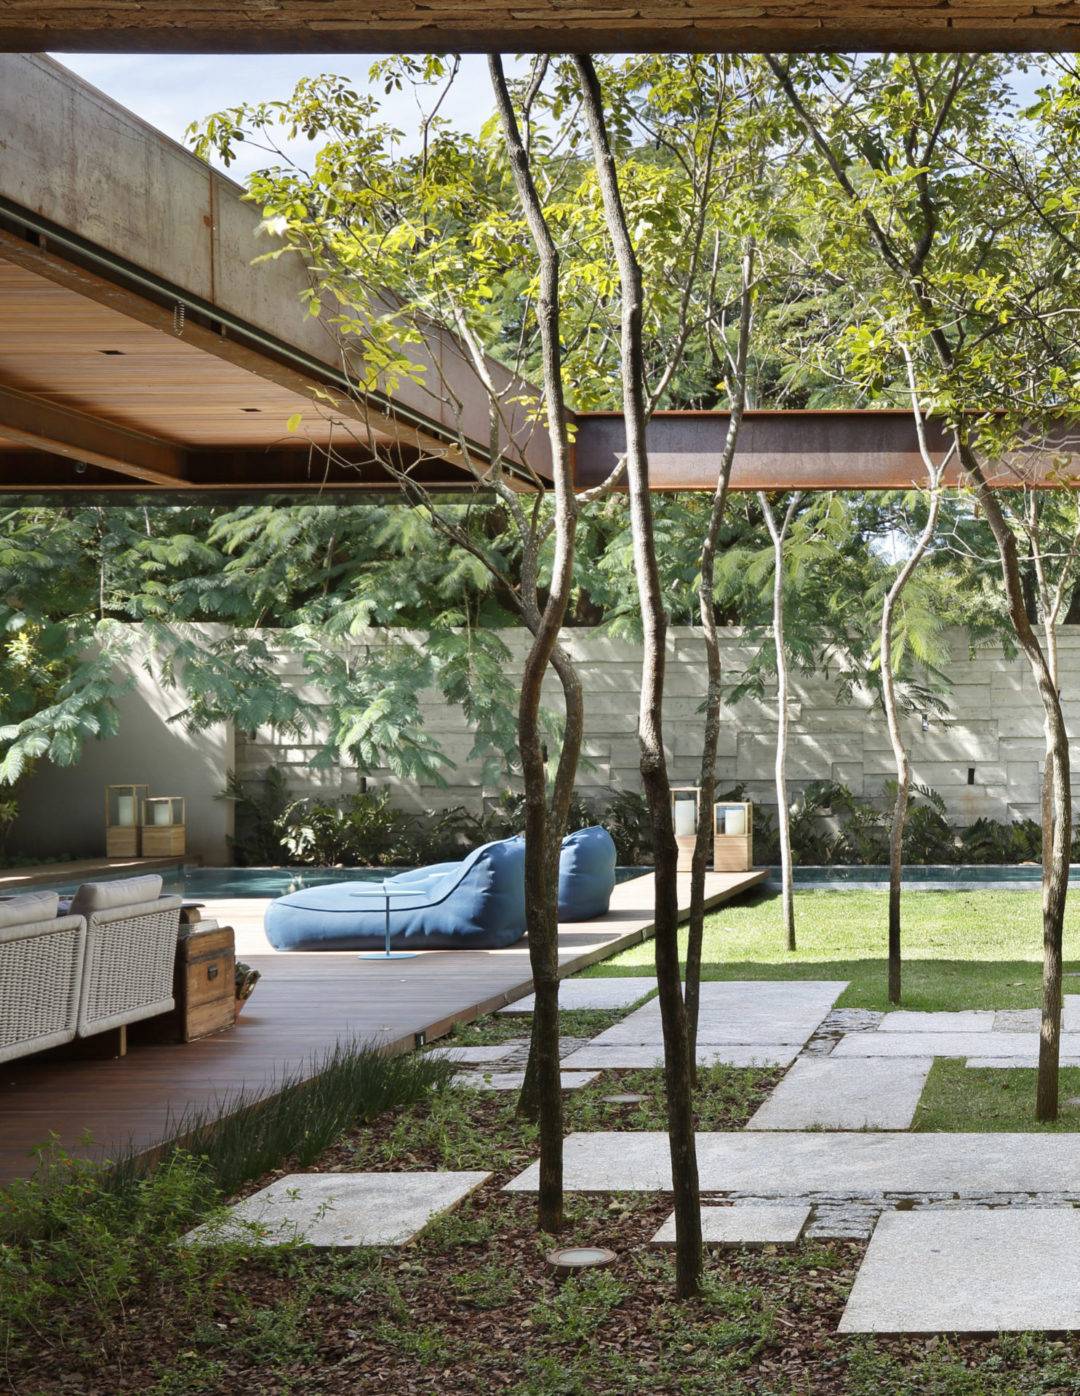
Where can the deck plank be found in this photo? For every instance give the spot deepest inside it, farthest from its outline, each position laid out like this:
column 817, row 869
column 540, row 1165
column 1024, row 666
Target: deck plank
column 303, row 1006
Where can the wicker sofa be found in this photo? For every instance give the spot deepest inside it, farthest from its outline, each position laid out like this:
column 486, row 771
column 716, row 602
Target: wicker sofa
column 101, row 962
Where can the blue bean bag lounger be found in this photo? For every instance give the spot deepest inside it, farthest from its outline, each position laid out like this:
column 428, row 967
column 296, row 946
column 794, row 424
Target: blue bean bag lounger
column 586, row 874
column 477, row 904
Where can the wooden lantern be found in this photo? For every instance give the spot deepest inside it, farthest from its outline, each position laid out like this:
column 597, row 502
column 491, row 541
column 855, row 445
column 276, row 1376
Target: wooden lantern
column 122, row 805
column 685, row 813
column 733, row 836
column 163, row 832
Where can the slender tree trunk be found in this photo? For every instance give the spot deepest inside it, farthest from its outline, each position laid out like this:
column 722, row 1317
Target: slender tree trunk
column 544, row 827
column 1057, row 756
column 896, row 735
column 778, row 533
column 711, row 736
column 680, row 1113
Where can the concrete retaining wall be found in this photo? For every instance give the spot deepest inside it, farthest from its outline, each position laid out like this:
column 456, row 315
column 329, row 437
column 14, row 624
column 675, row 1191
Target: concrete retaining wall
column 985, row 759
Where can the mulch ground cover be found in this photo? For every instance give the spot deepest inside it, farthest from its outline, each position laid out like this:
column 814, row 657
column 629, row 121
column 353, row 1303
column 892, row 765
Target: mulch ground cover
column 474, row 1307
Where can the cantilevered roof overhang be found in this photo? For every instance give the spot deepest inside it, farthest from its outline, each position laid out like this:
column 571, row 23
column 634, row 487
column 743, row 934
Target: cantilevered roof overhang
column 538, row 26
column 142, row 347
column 138, row 342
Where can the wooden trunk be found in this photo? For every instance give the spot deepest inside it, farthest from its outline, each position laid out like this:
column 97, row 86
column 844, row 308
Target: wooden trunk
column 162, row 840
column 205, row 983
column 204, row 987
column 733, row 852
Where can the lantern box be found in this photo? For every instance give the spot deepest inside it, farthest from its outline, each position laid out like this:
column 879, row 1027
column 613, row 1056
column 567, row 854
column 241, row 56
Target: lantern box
column 685, row 813
column 733, row 836
column 163, row 832
column 122, row 805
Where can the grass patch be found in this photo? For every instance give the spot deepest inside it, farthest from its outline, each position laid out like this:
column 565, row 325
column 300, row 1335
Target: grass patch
column 998, row 1100
column 502, row 1027
column 961, row 949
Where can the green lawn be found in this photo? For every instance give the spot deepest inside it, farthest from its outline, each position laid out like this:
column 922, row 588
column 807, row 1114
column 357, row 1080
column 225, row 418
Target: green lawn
column 961, row 949
column 958, row 1099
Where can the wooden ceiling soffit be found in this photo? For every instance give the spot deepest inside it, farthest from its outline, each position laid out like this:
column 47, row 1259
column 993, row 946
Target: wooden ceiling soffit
column 791, row 450
column 552, row 26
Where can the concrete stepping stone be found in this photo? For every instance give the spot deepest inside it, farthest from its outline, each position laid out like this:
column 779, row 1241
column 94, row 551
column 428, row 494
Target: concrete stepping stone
column 775, row 1164
column 331, row 1210
column 641, row 1056
column 1019, row 1020
column 947, row 1044
column 592, row 993
column 475, row 1056
column 514, row 1080
column 969, row 1270
column 968, row 1020
column 745, row 1224
column 740, row 1011
column 823, row 1093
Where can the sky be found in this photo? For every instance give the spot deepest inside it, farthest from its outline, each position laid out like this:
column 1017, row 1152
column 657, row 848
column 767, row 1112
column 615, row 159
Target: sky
column 173, row 90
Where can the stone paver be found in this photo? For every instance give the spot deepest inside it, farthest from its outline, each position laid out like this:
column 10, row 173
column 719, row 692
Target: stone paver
column 514, row 1080
column 475, row 1056
column 753, row 1224
column 641, row 1056
column 777, row 1164
column 740, row 1011
column 947, row 1044
column 969, row 1020
column 824, row 1093
column 343, row 1209
column 1019, row 1020
column 592, row 993
column 969, row 1270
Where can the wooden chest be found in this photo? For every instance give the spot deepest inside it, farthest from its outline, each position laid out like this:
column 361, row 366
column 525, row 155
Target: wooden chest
column 204, row 985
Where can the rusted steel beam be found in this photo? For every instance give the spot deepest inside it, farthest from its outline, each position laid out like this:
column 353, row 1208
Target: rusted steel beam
column 540, row 26
column 856, row 450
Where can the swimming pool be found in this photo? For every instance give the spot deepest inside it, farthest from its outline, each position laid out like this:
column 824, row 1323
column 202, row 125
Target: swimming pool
column 199, row 884
column 204, row 884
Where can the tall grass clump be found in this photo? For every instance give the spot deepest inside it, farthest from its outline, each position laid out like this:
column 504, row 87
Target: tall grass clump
column 246, row 1135
column 79, row 1238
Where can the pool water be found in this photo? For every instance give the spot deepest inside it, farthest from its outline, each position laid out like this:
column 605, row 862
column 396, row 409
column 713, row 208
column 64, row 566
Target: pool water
column 199, row 884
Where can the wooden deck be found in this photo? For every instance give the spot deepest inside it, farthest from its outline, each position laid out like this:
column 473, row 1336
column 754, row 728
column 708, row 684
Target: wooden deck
column 304, row 1004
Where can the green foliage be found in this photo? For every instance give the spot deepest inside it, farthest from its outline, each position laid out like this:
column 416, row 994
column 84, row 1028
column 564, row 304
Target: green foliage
column 359, row 829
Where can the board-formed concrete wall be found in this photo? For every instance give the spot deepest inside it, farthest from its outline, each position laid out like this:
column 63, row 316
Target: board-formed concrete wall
column 985, row 759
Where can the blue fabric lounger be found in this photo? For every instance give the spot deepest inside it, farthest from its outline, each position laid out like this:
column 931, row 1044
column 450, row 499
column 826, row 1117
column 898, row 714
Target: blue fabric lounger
column 477, row 904
column 586, row 874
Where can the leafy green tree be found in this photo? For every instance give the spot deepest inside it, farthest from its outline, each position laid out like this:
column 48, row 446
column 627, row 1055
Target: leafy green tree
column 968, row 277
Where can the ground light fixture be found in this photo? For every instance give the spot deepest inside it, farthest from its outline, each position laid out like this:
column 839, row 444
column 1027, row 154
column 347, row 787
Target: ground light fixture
column 384, row 890
column 574, row 1258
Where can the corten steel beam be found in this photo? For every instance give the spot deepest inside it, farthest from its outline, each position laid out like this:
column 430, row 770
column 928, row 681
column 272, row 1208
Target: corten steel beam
column 544, row 26
column 837, row 450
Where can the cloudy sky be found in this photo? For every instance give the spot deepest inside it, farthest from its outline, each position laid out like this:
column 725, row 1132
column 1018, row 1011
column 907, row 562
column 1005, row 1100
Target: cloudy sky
column 172, row 90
